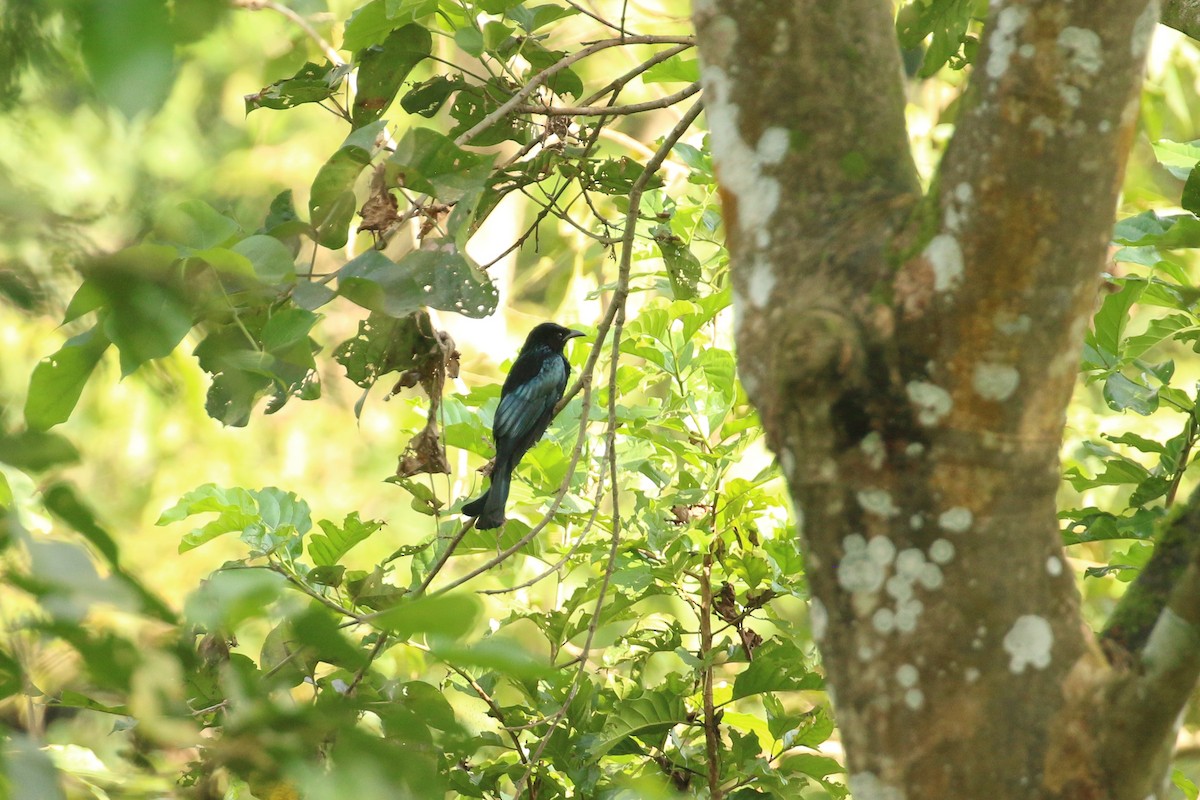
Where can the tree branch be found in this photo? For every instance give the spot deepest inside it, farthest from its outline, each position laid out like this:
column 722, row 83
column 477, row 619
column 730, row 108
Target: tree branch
column 1183, row 16
column 610, row 111
column 537, row 80
column 1131, row 622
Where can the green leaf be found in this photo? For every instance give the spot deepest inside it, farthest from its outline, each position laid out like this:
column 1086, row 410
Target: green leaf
column 427, row 97
column 58, row 380
column 28, row 767
column 429, row 162
column 531, row 19
column 61, row 500
column 445, row 616
column 946, row 20
column 644, row 715
column 35, row 451
column 288, row 327
column 495, row 653
column 1148, row 228
column 439, row 279
column 272, row 261
column 368, row 25
column 232, row 596
column 404, row 11
column 1108, row 331
column 383, row 345
column 312, row 84
column 1092, row 524
column 148, row 311
column 1117, row 471
column 683, row 268
column 382, row 69
column 328, row 548
column 1121, row 393
column 675, row 69
column 332, row 203
column 1184, row 784
column 195, row 225
column 129, row 51
column 472, row 104
column 1191, row 192
column 777, row 667
column 470, row 39
column 1180, row 158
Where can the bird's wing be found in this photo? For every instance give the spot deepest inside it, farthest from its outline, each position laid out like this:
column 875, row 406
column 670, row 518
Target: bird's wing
column 529, row 395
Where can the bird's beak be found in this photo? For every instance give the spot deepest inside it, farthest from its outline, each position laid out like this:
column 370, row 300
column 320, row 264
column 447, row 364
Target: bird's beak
column 573, row 334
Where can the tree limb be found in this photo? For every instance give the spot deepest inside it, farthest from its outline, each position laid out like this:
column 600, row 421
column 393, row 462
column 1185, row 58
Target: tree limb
column 1131, row 622
column 1183, row 16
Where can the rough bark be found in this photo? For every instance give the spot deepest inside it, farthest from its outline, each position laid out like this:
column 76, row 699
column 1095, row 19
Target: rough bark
column 912, row 358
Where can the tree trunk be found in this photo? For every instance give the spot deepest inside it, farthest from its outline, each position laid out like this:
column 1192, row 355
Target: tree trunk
column 912, row 357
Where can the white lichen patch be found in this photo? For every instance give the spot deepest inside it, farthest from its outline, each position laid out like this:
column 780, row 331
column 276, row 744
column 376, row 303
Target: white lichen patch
column 907, row 675
column 914, row 699
column 868, row 786
column 881, row 549
column 782, row 42
column 1054, row 566
column 945, row 256
column 859, row 572
column 787, row 462
column 971, row 674
column 995, row 382
column 932, row 401
column 1071, row 95
column 874, row 449
column 930, row 576
column 884, row 620
column 761, row 283
column 955, row 520
column 1028, row 643
column 1010, row 325
column 907, row 614
column 909, row 563
column 818, row 618
column 916, row 521
column 1081, row 48
column 1004, row 39
column 941, row 551
column 1042, row 124
column 877, row 502
column 899, row 587
column 745, row 172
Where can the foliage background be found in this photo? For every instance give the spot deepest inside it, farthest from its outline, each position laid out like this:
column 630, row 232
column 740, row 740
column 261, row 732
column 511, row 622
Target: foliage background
column 87, row 168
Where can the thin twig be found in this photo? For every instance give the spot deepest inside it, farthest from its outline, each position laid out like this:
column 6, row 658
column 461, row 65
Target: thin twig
column 558, row 565
column 614, row 111
column 537, row 80
column 712, row 734
column 493, row 707
column 626, row 263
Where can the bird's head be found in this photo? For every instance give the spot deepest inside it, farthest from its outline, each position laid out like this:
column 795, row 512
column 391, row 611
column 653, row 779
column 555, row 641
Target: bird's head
column 550, row 334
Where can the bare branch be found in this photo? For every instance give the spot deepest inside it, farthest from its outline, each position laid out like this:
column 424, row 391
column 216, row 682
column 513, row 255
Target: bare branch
column 537, row 80
column 610, row 111
column 1183, row 16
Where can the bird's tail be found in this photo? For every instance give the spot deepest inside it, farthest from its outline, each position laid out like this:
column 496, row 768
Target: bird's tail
column 488, row 508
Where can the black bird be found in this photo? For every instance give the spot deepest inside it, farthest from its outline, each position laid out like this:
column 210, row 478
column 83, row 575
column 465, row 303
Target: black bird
column 533, row 387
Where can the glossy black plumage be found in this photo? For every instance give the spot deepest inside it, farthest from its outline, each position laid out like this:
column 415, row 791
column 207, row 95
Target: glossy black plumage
column 533, row 387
